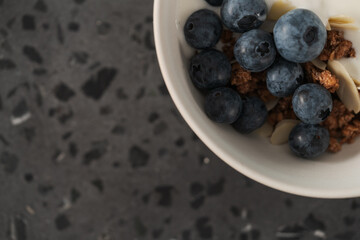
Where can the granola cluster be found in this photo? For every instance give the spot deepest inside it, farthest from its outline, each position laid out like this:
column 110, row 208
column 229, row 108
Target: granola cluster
column 337, row 47
column 250, row 84
column 283, row 110
column 228, row 40
column 322, row 77
column 343, row 125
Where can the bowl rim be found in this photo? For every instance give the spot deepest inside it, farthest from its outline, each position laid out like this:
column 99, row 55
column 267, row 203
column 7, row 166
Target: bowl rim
column 162, row 55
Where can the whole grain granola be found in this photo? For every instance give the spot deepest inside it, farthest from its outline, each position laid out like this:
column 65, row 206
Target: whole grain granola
column 343, row 125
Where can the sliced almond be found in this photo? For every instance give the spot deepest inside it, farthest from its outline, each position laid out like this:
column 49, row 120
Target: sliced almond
column 347, row 91
column 345, row 26
column 282, row 131
column 328, row 27
column 352, row 67
column 265, row 131
column 279, row 8
column 319, row 64
column 341, row 19
column 271, row 104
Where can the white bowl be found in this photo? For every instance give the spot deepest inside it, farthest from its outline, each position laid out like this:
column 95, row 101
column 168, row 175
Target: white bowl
column 331, row 176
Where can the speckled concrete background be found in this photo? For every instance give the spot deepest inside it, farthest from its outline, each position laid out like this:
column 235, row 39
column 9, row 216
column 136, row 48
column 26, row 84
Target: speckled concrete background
column 92, row 147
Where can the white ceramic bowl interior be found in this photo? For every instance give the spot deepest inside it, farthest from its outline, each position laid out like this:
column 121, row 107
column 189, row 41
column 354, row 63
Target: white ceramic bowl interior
column 331, row 176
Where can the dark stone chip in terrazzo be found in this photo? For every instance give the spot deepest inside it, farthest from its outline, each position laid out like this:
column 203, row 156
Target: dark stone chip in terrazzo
column 45, row 26
column 140, row 94
column 349, row 220
column 63, row 92
column 4, row 141
column 149, row 41
column 40, row 6
column 216, row 188
column 160, row 128
column 74, row 195
column 106, row 110
column 140, row 229
column 62, row 222
column 79, row 1
column 138, row 157
column 180, row 142
column 146, row 198
column 120, row 94
column 9, row 161
column 203, row 227
column 45, row 189
column 73, row 149
column 60, row 34
column 118, row 130
column 354, row 205
column 196, row 188
column 20, row 109
column 103, row 28
column 67, row 135
column 163, row 90
column 94, row 154
column 197, row 202
column 235, row 211
column 138, row 27
column 291, row 232
column 165, row 195
column 168, row 220
column 28, row 22
column 153, row 117
column 162, row 152
column 20, row 228
column 10, row 22
column 116, row 164
column 65, row 117
column 312, row 223
column 12, row 92
column 94, row 65
column 156, row 233
column 98, row 183
column 186, row 235
column 39, row 71
column 7, row 64
column 29, row 133
column 288, row 202
column 79, row 57
column 149, row 19
column 32, row 54
column 28, row 177
column 349, row 235
column 96, row 86
column 73, row 27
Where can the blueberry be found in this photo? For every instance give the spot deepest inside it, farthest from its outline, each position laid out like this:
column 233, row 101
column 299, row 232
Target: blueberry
column 203, row 29
column 223, row 105
column 255, row 50
column 309, row 141
column 243, row 15
column 300, row 36
column 284, row 77
column 210, row 69
column 253, row 115
column 312, row 103
column 214, row 2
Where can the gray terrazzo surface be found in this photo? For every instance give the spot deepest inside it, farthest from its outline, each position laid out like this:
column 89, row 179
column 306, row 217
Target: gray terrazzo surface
column 92, row 146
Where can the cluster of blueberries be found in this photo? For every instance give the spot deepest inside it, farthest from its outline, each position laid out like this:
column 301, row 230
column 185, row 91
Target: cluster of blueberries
column 299, row 36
